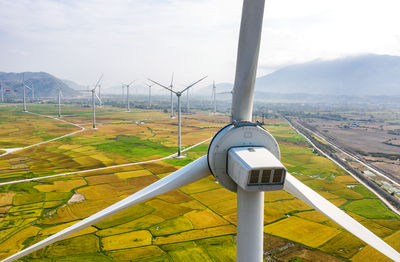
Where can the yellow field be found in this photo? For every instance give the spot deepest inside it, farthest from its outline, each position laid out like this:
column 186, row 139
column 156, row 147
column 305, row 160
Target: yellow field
column 196, row 222
column 127, row 240
column 303, row 231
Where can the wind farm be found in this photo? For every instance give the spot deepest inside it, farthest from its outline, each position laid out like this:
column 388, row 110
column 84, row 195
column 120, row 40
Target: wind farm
column 94, row 183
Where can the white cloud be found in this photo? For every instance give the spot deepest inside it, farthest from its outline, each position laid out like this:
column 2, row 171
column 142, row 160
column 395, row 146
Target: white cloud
column 136, row 39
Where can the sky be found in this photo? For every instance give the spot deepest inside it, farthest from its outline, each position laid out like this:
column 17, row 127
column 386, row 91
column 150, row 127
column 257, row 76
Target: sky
column 130, row 40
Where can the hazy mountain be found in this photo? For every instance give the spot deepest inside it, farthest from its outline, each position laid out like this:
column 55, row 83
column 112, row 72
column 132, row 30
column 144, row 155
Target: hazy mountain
column 44, row 85
column 365, row 75
column 74, row 85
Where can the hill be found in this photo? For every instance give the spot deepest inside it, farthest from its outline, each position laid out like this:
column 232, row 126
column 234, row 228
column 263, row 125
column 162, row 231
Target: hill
column 364, row 75
column 356, row 76
column 44, row 85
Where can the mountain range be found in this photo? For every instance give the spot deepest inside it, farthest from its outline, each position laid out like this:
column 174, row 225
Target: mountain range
column 363, row 75
column 354, row 76
column 44, row 85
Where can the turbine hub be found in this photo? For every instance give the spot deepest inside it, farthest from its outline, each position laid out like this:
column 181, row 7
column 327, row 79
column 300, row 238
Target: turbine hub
column 244, row 135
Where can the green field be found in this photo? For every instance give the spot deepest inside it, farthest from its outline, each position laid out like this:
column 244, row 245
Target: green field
column 195, row 223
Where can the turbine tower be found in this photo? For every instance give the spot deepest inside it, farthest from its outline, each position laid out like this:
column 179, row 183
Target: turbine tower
column 2, row 93
column 59, row 102
column 128, row 109
column 33, row 92
column 149, row 86
column 24, row 91
column 248, row 170
column 178, row 94
column 94, row 97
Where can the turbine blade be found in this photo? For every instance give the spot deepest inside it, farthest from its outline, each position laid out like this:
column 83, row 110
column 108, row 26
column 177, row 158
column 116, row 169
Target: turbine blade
column 98, row 98
column 315, row 200
column 131, row 82
column 247, row 60
column 190, row 173
column 193, row 84
column 98, row 81
column 162, row 85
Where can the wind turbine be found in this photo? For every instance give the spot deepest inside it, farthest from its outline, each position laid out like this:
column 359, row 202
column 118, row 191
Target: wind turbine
column 228, row 92
column 127, row 95
column 178, row 94
column 24, row 92
column 2, row 93
column 33, row 92
column 225, row 150
column 94, row 97
column 149, row 86
column 59, row 102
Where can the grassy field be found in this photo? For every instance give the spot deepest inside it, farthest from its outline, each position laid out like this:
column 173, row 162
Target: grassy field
column 196, row 222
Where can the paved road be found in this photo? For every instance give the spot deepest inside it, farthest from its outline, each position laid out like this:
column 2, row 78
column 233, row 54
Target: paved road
column 350, row 173
column 355, row 158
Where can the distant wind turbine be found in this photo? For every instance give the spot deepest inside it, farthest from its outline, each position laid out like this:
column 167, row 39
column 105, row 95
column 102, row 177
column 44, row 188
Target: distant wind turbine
column 24, row 92
column 59, row 102
column 2, row 93
column 94, row 97
column 178, row 94
column 149, row 86
column 127, row 95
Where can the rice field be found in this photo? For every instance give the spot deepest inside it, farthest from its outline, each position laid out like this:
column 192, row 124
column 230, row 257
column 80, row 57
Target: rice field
column 194, row 223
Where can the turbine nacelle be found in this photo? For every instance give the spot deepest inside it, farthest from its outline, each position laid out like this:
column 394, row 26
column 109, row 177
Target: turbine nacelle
column 255, row 169
column 232, row 165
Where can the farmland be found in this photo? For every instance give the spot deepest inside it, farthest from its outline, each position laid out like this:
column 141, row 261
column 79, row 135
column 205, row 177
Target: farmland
column 194, row 223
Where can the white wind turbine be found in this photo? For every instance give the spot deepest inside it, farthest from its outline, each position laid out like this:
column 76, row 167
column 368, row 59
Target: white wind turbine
column 59, row 102
column 24, row 91
column 149, row 86
column 178, row 94
column 94, row 97
column 243, row 141
column 128, row 109
column 2, row 93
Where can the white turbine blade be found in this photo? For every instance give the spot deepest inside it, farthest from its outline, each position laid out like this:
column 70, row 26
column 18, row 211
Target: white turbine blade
column 98, row 81
column 315, row 200
column 98, row 98
column 162, row 85
column 192, row 172
column 247, row 59
column 131, row 83
column 192, row 84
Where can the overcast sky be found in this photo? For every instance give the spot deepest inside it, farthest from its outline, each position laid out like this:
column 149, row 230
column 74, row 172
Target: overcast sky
column 78, row 40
